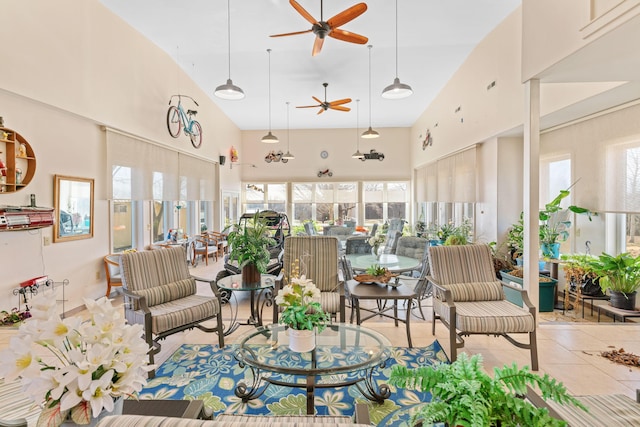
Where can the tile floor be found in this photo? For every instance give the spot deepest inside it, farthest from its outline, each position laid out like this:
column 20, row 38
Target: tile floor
column 568, row 350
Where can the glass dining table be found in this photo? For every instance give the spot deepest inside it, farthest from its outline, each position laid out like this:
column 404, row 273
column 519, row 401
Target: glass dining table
column 393, row 263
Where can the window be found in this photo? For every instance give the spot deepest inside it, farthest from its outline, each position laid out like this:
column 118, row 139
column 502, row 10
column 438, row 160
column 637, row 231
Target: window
column 384, row 201
column 259, row 197
column 623, row 194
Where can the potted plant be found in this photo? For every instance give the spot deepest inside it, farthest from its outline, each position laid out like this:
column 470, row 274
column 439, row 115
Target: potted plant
column 463, row 394
column 620, row 275
column 302, row 311
column 249, row 245
column 515, row 238
column 555, row 224
column 580, row 276
column 92, row 365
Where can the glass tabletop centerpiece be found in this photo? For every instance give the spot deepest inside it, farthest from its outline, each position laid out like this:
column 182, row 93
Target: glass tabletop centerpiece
column 378, row 274
column 302, row 311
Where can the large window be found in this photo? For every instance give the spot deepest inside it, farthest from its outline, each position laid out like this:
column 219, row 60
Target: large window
column 259, row 197
column 384, row 201
column 327, row 203
column 623, row 195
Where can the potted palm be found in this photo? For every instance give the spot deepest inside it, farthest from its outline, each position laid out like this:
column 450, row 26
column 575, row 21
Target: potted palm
column 249, row 245
column 463, row 394
column 620, row 275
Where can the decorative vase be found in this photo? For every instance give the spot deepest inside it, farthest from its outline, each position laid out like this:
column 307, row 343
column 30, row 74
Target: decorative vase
column 117, row 410
column 551, row 250
column 250, row 276
column 302, row 341
column 376, row 251
column 622, row 300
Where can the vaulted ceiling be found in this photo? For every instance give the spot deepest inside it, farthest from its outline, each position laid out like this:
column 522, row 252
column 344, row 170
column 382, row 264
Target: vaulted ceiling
column 434, row 37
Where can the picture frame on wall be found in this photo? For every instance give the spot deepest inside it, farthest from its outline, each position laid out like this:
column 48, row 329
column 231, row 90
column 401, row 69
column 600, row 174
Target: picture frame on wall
column 73, row 203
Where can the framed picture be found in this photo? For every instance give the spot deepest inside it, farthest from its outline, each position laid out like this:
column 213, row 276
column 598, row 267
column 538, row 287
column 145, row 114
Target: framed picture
column 73, row 198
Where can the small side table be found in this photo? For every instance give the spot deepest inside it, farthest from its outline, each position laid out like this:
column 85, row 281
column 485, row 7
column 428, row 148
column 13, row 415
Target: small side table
column 617, row 312
column 382, row 293
column 260, row 296
column 583, row 298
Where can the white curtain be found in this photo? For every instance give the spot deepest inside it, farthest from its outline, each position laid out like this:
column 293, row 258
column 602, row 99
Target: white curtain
column 456, row 177
column 623, row 178
column 140, row 170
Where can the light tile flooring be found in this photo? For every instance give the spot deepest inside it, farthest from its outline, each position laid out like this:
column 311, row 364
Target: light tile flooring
column 568, row 351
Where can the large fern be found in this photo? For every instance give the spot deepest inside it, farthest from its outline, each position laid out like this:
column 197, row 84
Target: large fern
column 463, row 394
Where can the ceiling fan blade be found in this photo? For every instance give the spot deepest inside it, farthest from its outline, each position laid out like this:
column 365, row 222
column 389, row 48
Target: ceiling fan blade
column 317, row 100
column 339, row 107
column 348, row 36
column 321, row 111
column 309, row 106
column 291, row 34
column 306, row 15
column 340, row 101
column 347, row 15
column 317, row 46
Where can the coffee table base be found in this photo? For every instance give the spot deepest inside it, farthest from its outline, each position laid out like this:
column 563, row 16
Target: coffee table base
column 365, row 384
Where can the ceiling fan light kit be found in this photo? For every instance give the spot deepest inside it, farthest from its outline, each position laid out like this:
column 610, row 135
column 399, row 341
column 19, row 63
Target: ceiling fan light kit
column 229, row 91
column 397, row 90
column 270, row 138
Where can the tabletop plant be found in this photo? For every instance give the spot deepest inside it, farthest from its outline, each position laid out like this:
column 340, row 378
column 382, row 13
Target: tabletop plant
column 93, row 362
column 300, row 302
column 463, row 394
column 250, row 244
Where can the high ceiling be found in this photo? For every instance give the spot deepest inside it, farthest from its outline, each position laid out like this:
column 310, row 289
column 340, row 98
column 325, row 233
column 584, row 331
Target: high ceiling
column 434, row 37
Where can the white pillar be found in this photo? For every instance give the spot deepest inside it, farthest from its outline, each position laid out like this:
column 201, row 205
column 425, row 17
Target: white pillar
column 531, row 191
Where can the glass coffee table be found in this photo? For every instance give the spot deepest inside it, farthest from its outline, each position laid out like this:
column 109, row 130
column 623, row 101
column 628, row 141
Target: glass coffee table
column 345, row 355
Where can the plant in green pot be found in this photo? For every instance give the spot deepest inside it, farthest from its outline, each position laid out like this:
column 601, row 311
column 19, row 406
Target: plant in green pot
column 249, row 246
column 620, row 275
column 463, row 394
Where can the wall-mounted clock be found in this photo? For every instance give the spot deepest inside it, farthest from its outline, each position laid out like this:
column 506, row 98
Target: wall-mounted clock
column 324, row 154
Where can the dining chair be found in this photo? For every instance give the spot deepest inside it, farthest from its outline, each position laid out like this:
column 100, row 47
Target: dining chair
column 112, row 271
column 391, row 242
column 199, row 246
column 357, row 245
column 413, row 247
column 318, row 259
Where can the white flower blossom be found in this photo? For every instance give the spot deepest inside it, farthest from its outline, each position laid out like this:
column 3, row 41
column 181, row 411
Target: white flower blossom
column 94, row 361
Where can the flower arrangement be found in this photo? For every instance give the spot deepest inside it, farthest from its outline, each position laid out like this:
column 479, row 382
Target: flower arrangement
column 301, row 302
column 15, row 316
column 94, row 361
column 376, row 241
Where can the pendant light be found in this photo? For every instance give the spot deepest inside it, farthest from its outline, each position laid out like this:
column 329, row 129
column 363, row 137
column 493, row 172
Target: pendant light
column 397, row 90
column 357, row 154
column 370, row 133
column 288, row 155
column 270, row 138
column 229, row 90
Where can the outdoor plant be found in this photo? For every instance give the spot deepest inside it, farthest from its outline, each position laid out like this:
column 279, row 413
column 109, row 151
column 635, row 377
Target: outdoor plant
column 515, row 238
column 94, row 361
column 620, row 273
column 300, row 300
column 463, row 394
column 250, row 244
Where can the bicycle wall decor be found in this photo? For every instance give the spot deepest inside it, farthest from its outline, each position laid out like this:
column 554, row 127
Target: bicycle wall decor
column 178, row 120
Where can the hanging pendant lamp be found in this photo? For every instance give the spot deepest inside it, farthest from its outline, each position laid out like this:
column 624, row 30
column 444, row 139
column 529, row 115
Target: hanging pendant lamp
column 270, row 138
column 370, row 133
column 288, row 155
column 228, row 90
column 357, row 154
column 397, row 90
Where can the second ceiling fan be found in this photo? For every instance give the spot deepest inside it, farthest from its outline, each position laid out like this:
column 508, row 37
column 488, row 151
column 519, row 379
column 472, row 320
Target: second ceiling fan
column 329, row 28
column 324, row 106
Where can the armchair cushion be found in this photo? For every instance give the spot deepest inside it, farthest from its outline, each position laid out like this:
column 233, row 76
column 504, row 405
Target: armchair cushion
column 183, row 311
column 169, row 292
column 489, row 317
column 481, row 291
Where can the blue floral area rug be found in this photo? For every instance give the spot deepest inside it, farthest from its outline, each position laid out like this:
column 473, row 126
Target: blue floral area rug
column 211, row 374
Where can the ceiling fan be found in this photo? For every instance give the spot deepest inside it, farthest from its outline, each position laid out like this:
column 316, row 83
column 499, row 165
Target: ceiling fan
column 324, row 106
column 329, row 28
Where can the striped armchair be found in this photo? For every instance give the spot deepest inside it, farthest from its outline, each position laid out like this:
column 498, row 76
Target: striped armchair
column 318, row 257
column 161, row 295
column 468, row 299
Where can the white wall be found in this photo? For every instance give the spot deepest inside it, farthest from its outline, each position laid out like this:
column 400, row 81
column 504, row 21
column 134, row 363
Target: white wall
column 307, row 144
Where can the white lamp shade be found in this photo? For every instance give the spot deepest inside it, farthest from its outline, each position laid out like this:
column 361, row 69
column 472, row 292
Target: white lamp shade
column 229, row 91
column 370, row 133
column 270, row 138
column 397, row 90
